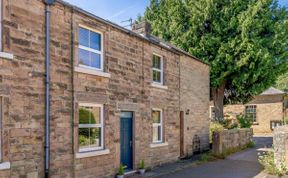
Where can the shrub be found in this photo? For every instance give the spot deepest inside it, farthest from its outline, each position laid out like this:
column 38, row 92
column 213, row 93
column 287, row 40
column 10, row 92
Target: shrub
column 251, row 144
column 244, row 121
column 227, row 123
column 215, row 127
column 286, row 120
column 267, row 160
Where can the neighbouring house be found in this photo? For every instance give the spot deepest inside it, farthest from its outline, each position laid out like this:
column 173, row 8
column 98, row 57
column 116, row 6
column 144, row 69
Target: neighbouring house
column 267, row 110
column 115, row 95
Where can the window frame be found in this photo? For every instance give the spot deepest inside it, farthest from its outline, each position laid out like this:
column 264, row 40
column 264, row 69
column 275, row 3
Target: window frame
column 157, row 125
column 158, row 70
column 101, row 125
column 254, row 120
column 101, row 53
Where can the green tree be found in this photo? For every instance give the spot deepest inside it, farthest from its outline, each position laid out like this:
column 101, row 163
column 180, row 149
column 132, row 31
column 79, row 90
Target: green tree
column 282, row 82
column 244, row 41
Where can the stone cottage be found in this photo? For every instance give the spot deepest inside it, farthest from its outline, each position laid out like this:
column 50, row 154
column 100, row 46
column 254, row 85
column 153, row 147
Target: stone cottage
column 267, row 110
column 80, row 95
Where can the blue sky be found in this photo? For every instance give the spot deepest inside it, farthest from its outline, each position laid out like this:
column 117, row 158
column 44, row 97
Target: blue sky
column 119, row 10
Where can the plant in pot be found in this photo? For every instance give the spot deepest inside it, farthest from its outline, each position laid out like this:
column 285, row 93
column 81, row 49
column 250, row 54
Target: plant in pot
column 121, row 170
column 142, row 167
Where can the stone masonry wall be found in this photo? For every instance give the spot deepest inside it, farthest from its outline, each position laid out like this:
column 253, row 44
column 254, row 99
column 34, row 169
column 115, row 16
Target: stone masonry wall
column 227, row 139
column 128, row 59
column 194, row 93
column 280, row 143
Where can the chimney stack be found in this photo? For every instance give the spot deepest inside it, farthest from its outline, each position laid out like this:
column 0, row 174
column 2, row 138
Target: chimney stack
column 143, row 28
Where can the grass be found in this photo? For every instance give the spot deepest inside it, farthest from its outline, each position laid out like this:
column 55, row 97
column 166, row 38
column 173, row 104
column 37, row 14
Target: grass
column 267, row 161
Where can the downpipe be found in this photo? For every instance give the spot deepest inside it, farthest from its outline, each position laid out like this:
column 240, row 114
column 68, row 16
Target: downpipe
column 48, row 3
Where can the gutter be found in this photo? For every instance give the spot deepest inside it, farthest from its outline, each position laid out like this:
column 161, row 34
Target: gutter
column 48, row 3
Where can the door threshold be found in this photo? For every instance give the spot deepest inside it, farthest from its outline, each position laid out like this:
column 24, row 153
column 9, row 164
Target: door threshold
column 129, row 172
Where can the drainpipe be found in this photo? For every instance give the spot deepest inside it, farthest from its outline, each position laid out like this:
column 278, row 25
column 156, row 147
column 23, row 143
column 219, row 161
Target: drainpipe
column 48, row 3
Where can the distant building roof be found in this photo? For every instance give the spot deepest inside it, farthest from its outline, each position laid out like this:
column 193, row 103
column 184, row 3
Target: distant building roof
column 272, row 91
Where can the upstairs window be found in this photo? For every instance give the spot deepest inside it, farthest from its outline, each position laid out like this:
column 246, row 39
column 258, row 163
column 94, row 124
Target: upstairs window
column 90, row 49
column 90, row 127
column 251, row 112
column 157, row 69
column 157, row 126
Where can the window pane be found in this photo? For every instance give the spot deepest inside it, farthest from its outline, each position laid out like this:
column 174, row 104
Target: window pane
column 84, row 37
column 96, row 60
column 156, row 76
column 84, row 57
column 95, row 115
column 156, row 116
column 156, row 62
column 95, row 137
column 84, row 138
column 95, row 41
column 157, row 134
column 84, row 115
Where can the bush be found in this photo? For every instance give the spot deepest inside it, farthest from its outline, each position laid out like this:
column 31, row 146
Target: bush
column 215, row 127
column 244, row 121
column 267, row 160
column 251, row 144
column 227, row 123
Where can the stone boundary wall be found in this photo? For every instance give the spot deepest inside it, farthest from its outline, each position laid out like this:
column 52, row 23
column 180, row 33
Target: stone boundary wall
column 280, row 142
column 227, row 139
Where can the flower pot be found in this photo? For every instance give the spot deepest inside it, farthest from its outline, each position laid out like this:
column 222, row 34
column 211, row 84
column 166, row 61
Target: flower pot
column 142, row 171
column 120, row 176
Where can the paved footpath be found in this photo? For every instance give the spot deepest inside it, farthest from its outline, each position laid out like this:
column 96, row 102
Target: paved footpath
column 243, row 164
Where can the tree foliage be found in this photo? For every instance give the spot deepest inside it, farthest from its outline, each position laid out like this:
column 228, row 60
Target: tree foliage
column 244, row 41
column 282, row 82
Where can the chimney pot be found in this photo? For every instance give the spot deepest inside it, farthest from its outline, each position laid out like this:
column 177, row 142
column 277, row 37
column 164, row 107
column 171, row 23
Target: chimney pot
column 143, row 28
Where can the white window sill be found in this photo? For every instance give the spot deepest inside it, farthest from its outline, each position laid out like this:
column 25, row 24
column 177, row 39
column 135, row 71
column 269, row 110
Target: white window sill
column 6, row 55
column 5, row 165
column 92, row 153
column 92, row 72
column 156, row 145
column 156, row 85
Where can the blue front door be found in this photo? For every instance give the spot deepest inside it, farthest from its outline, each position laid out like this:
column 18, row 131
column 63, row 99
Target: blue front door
column 126, row 139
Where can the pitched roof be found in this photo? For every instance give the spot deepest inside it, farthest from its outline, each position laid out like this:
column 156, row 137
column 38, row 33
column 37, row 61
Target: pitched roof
column 151, row 39
column 272, row 91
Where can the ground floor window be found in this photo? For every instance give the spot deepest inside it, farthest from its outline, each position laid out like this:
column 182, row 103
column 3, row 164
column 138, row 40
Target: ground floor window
column 251, row 112
column 90, row 127
column 157, row 126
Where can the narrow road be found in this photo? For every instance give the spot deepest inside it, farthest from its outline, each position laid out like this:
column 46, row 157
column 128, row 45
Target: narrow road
column 243, row 164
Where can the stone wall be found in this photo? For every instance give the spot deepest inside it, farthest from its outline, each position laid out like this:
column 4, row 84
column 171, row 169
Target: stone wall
column 227, row 139
column 194, row 94
column 280, row 143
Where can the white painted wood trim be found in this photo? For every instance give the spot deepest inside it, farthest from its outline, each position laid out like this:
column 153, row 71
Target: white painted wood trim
column 156, row 85
column 5, row 165
column 92, row 72
column 156, row 145
column 92, row 154
column 6, row 55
